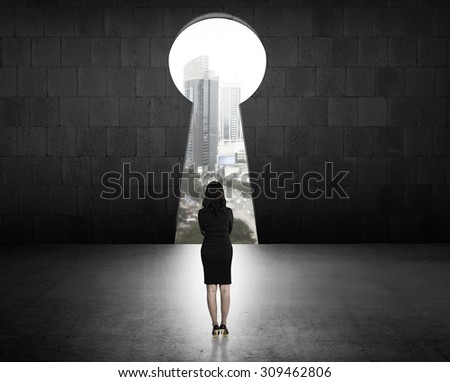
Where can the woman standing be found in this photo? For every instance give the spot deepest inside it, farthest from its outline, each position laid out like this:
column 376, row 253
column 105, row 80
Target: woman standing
column 216, row 222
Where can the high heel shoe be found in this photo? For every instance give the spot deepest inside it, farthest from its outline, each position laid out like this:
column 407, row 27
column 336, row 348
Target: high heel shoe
column 224, row 330
column 216, row 331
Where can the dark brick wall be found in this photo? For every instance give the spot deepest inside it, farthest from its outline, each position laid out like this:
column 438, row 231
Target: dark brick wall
column 84, row 86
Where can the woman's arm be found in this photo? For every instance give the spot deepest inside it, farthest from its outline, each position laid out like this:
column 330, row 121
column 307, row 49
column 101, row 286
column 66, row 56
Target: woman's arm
column 200, row 223
column 230, row 225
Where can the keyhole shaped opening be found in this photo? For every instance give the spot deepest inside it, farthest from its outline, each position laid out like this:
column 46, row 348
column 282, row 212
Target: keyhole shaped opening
column 217, row 62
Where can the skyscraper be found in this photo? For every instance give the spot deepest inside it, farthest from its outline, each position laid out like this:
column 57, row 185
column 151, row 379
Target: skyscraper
column 201, row 86
column 230, row 128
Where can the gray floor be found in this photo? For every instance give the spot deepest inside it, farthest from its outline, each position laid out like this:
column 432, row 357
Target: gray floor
column 289, row 303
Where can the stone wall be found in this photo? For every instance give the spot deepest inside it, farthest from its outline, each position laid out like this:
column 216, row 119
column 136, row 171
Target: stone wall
column 85, row 86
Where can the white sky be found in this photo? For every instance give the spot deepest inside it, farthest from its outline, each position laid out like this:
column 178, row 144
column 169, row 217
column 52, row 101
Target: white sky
column 236, row 53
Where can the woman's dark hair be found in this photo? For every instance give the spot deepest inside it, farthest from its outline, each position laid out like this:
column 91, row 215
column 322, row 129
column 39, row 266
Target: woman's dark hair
column 214, row 198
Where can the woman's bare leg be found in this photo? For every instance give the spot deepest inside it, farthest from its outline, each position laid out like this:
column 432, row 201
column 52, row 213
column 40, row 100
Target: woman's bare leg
column 224, row 301
column 211, row 291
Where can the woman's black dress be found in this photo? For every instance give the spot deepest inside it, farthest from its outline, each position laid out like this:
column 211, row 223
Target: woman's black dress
column 216, row 250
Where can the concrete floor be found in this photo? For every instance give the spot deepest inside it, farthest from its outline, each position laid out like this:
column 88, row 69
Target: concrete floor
column 289, row 303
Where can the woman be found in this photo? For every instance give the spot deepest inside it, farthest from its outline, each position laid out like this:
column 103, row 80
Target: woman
column 216, row 222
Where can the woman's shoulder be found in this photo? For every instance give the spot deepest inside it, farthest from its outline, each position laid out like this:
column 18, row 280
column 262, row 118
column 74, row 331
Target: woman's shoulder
column 230, row 210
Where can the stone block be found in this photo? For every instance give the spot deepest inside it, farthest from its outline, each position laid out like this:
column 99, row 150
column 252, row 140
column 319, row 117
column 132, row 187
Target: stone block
column 175, row 19
column 46, row 51
column 76, row 171
column 135, row 52
column 62, row 82
column 15, row 52
column 418, row 21
column 361, row 200
column 402, row 111
column 121, row 82
column 343, row 51
column 7, row 22
column 14, row 111
column 17, row 229
column 330, row 82
column 10, row 200
column 148, row 22
column 358, row 141
column 374, row 228
column 78, row 229
column 104, row 111
column 255, row 112
column 316, row 229
column 300, row 81
column 443, row 82
column 417, row 141
column 76, row 51
column 441, row 25
column 328, row 141
column 273, row 83
column 32, row 141
column 151, row 141
column 418, row 199
column 164, row 112
column 433, row 228
column 387, row 22
column 92, row 82
column 46, row 171
column 269, row 141
column 402, row 51
column 313, row 111
column 108, row 229
column 61, row 141
column 122, row 207
column 90, row 203
column 441, row 200
column 102, row 165
column 371, row 171
column 372, row 51
column 121, row 141
column 403, row 228
column 390, row 81
column 63, row 200
column 176, row 141
column 269, row 22
column 389, row 200
column 402, row 170
column 138, row 229
column 430, row 111
column 150, row 82
column 8, row 141
column 134, row 112
column 313, row 51
column 342, row 111
column 33, row 200
column 419, row 82
column 441, row 141
column 372, row 111
column 357, row 21
column 8, row 82
column 283, row 111
column 59, row 22
column 298, row 141
column 89, row 22
column 91, row 141
column 47, row 229
column 74, row 111
column 432, row 51
column 159, row 51
column 388, row 141
column 44, row 111
column 281, row 52
column 298, row 21
column 431, row 170
column 29, row 21
column 328, row 21
column 360, row 82
column 32, row 82
column 17, row 171
column 105, row 52
column 119, row 22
